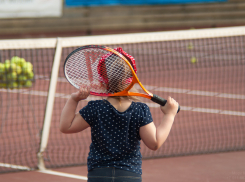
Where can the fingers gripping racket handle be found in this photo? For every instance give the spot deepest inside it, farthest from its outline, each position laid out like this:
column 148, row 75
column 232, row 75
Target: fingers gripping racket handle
column 160, row 101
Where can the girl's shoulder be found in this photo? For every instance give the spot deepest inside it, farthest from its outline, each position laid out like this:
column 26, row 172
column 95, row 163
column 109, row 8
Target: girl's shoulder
column 95, row 103
column 104, row 104
column 141, row 105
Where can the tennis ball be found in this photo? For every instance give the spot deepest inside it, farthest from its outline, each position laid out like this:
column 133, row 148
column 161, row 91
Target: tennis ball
column 190, row 46
column 7, row 61
column 15, row 59
column 2, row 69
column 22, row 79
column 7, row 65
column 12, row 76
column 29, row 65
column 18, row 69
column 21, row 62
column 28, row 83
column 12, row 67
column 193, row 60
column 30, row 75
column 13, row 85
column 26, row 68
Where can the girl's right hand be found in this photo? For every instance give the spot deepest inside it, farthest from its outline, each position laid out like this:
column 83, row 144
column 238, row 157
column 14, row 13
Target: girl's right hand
column 82, row 94
column 171, row 107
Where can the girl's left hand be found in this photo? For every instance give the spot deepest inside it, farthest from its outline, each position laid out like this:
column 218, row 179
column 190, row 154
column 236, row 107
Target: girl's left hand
column 82, row 94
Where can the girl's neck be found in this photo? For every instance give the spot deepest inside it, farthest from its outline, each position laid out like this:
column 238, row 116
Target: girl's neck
column 120, row 104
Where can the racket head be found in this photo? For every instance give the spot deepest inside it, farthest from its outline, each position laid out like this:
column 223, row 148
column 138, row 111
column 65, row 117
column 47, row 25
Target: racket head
column 105, row 71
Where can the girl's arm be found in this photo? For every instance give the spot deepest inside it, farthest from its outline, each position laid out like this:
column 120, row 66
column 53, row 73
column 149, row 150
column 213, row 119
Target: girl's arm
column 71, row 122
column 154, row 137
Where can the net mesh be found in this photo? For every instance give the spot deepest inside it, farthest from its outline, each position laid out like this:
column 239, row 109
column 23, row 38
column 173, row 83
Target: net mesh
column 204, row 73
column 22, row 111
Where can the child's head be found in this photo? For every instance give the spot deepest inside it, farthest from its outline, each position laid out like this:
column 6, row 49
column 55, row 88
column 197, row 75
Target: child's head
column 115, row 72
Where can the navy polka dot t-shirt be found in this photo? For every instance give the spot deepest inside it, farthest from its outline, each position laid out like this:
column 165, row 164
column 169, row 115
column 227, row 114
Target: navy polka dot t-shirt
column 115, row 135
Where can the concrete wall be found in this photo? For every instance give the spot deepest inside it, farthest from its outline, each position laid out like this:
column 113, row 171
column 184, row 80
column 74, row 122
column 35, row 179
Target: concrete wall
column 125, row 19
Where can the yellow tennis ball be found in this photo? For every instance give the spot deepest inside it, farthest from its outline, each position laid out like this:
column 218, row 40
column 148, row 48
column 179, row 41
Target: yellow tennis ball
column 15, row 59
column 12, row 76
column 190, row 46
column 193, row 60
column 30, row 75
column 22, row 79
column 26, row 68
column 12, row 67
column 21, row 62
column 2, row 69
column 13, row 85
column 7, row 61
column 1, row 65
column 18, row 69
column 28, row 83
column 7, row 65
column 29, row 65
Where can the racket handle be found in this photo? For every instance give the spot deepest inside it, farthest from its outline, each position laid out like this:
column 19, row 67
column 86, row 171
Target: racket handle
column 160, row 101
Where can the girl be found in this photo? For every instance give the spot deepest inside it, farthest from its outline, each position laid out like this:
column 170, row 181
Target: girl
column 117, row 126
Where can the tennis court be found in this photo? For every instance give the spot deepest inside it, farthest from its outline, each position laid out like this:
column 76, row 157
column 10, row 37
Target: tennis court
column 225, row 167
column 202, row 69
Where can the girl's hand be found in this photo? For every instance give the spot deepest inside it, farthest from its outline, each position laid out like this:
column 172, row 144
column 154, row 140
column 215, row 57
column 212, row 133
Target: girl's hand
column 171, row 107
column 82, row 94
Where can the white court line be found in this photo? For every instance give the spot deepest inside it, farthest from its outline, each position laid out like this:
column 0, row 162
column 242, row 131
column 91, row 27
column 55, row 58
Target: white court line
column 46, row 171
column 198, row 92
column 15, row 166
column 153, row 105
column 174, row 90
column 204, row 110
column 150, row 104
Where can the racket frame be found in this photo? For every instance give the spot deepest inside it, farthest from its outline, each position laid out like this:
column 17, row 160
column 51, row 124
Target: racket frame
column 135, row 80
column 125, row 92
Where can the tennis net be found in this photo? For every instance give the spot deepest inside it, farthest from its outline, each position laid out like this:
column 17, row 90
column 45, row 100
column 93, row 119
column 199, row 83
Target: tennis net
column 204, row 70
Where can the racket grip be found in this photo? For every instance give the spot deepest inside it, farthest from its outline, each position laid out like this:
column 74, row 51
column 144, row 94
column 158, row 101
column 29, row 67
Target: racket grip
column 161, row 101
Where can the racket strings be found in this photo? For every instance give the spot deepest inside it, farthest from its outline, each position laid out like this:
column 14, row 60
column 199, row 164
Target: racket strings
column 75, row 69
column 83, row 69
column 118, row 74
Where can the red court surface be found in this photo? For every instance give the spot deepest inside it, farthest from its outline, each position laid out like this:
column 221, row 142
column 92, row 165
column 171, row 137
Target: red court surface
column 218, row 167
column 210, row 92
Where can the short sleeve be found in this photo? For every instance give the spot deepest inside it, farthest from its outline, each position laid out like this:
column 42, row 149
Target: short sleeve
column 147, row 117
column 88, row 112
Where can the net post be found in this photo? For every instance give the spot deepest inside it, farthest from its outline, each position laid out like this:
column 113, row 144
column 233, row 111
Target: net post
column 49, row 105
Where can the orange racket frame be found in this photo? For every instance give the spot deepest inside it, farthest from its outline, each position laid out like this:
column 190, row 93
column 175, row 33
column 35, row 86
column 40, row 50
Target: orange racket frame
column 134, row 81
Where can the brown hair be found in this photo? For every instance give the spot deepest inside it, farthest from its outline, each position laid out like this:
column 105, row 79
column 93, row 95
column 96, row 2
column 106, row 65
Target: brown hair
column 117, row 74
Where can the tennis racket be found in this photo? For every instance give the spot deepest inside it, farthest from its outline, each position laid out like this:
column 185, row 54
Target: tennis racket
column 106, row 71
